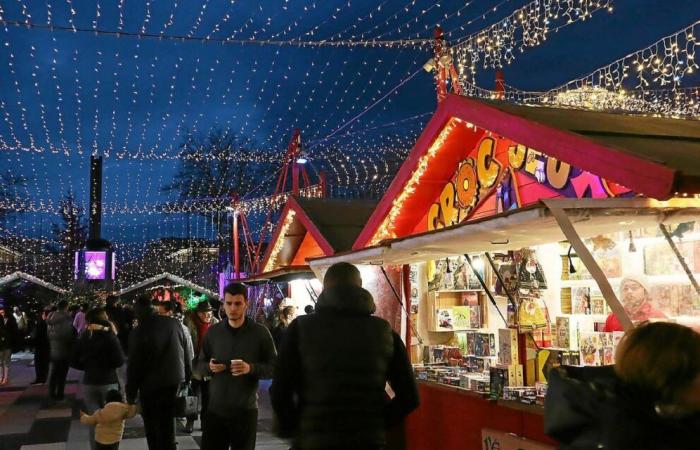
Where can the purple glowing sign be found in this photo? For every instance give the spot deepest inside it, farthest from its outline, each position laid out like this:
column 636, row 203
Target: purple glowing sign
column 95, row 265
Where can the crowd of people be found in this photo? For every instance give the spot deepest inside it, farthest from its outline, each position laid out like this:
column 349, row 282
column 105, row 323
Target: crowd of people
column 341, row 377
column 154, row 353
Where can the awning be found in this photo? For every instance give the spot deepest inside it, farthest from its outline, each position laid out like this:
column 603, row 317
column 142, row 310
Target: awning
column 548, row 221
column 525, row 227
column 281, row 275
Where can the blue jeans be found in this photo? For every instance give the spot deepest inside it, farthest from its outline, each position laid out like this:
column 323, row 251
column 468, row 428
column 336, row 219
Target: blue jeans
column 94, row 398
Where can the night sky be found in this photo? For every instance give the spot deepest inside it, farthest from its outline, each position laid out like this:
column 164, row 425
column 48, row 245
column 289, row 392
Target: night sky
column 64, row 95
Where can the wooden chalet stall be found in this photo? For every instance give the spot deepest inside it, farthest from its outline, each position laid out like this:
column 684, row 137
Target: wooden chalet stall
column 311, row 228
column 515, row 227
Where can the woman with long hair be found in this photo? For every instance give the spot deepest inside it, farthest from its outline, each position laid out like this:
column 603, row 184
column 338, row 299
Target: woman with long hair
column 98, row 353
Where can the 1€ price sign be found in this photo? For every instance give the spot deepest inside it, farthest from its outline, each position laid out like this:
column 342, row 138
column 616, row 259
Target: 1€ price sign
column 499, row 440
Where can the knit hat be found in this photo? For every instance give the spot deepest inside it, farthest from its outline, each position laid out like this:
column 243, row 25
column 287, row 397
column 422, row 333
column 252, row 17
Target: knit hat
column 637, row 277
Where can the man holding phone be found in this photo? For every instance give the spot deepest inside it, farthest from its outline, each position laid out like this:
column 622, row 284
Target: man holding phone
column 236, row 353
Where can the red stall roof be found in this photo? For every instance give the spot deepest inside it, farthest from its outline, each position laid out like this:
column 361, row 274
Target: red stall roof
column 656, row 157
column 315, row 227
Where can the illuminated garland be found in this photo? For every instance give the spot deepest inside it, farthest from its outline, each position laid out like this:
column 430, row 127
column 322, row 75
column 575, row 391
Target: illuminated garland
column 385, row 230
column 665, row 62
column 526, row 27
column 31, row 279
column 279, row 243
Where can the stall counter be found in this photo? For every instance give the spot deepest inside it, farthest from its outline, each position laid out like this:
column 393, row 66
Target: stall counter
column 450, row 418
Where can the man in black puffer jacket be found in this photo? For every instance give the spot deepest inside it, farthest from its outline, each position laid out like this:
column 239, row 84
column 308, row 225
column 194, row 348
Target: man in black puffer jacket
column 159, row 361
column 329, row 384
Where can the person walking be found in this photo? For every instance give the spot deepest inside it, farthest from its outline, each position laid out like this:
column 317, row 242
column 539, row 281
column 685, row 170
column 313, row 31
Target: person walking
column 328, row 390
column 97, row 353
column 79, row 321
column 22, row 321
column 61, row 338
column 5, row 349
column 236, row 353
column 198, row 323
column 159, row 362
column 42, row 354
column 286, row 315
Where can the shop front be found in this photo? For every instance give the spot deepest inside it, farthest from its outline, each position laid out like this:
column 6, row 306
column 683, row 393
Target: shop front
column 521, row 233
column 312, row 228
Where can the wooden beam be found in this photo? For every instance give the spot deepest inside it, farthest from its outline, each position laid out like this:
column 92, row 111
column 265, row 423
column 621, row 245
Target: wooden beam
column 587, row 258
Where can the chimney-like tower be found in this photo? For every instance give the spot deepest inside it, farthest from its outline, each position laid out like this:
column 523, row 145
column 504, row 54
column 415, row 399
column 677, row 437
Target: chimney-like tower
column 95, row 197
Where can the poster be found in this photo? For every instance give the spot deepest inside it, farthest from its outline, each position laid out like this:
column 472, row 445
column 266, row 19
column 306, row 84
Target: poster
column 659, row 258
column 461, row 317
column 453, row 274
column 582, row 300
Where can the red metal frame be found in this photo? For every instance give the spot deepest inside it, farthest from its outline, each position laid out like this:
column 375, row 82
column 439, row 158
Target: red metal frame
column 299, row 180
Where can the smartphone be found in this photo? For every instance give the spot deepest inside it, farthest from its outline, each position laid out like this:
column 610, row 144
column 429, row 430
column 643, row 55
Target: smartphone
column 217, row 361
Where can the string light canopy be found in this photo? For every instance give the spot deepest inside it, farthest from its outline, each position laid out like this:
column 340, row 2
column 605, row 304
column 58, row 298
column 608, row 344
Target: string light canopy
column 145, row 85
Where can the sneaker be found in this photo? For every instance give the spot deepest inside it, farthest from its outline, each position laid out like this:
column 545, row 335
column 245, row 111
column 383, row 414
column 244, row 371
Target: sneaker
column 189, row 427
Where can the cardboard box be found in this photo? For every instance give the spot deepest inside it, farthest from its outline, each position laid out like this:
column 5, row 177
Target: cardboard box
column 507, row 346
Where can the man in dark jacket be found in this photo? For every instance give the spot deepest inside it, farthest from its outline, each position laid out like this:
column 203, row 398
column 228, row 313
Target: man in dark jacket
column 41, row 349
column 236, row 353
column 159, row 361
column 61, row 338
column 328, row 389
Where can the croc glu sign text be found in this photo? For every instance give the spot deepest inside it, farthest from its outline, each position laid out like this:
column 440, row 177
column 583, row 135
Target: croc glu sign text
column 503, row 175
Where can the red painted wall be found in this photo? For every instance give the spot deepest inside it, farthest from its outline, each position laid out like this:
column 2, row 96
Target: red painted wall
column 388, row 307
column 449, row 420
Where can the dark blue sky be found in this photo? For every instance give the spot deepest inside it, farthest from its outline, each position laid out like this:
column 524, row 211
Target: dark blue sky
column 135, row 98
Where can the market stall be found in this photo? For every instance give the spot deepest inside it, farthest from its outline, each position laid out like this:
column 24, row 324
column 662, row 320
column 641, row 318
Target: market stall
column 309, row 228
column 517, row 228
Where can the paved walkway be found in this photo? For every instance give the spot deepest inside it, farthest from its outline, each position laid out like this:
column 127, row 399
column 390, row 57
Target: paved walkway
column 27, row 422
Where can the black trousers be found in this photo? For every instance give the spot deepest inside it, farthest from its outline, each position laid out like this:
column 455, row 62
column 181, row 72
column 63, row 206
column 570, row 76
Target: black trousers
column 99, row 446
column 41, row 365
column 57, row 378
column 158, row 412
column 236, row 431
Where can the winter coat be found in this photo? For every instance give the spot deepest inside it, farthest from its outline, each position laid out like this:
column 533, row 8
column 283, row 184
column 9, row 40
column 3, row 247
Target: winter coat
column 590, row 408
column 6, row 338
column 158, row 356
column 337, row 362
column 61, row 335
column 109, row 421
column 252, row 343
column 40, row 338
column 98, row 353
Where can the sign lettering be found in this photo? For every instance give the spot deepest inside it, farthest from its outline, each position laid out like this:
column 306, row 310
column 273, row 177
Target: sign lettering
column 477, row 177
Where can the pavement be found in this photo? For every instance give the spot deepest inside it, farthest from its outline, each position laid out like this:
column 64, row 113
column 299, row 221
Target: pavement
column 29, row 422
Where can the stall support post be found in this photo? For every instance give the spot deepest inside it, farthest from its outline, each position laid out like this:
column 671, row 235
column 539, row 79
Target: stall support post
column 406, row 280
column 587, row 258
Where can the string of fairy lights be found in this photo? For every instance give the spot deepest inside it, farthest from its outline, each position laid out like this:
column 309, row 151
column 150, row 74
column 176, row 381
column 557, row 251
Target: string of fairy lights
column 143, row 88
column 648, row 81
